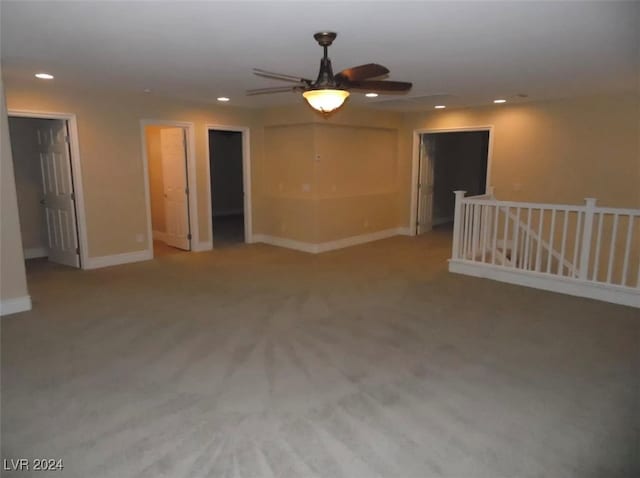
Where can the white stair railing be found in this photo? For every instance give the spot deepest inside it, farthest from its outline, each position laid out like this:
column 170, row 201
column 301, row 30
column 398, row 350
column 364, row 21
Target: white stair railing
column 593, row 251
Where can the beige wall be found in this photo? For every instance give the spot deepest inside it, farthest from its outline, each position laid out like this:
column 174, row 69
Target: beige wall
column 325, row 179
column 558, row 151
column 111, row 154
column 28, row 174
column 356, row 178
column 554, row 151
column 287, row 189
column 156, row 181
column 13, row 283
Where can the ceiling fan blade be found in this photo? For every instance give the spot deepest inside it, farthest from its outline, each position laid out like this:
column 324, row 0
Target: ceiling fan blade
column 280, row 76
column 362, row 72
column 275, row 89
column 381, row 86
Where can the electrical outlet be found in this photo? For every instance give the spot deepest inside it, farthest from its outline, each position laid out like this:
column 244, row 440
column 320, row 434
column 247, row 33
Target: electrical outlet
column 306, row 187
column 139, row 237
column 366, row 223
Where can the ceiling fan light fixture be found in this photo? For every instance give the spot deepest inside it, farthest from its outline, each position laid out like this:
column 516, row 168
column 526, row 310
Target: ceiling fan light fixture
column 326, row 100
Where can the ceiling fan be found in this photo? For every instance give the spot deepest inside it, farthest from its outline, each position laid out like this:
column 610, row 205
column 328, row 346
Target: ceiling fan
column 329, row 91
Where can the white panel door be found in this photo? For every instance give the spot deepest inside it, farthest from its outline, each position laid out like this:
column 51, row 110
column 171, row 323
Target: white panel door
column 176, row 198
column 58, row 198
column 425, row 185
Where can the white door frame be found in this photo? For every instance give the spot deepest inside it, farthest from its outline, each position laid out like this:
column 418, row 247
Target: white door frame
column 191, row 178
column 246, row 178
column 76, row 171
column 415, row 162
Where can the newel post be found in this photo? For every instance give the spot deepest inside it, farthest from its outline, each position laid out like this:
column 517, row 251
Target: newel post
column 587, row 230
column 490, row 191
column 457, row 224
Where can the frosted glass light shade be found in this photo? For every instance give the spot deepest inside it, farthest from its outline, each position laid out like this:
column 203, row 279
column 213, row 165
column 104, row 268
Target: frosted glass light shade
column 325, row 100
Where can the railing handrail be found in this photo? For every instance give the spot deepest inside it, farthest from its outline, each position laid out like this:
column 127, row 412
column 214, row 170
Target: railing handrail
column 486, row 199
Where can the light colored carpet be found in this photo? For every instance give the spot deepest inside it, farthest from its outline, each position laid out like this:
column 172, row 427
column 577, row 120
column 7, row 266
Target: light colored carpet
column 367, row 362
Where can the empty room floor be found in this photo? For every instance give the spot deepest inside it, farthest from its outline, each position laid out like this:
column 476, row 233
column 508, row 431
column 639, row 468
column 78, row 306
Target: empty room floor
column 371, row 361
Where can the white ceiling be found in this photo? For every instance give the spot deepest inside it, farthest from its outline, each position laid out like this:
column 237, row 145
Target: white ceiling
column 470, row 52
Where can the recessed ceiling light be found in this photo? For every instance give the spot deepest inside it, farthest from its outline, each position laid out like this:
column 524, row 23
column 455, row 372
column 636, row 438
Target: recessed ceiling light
column 147, row 90
column 224, row 99
column 371, row 95
column 500, row 101
column 439, row 107
column 44, row 76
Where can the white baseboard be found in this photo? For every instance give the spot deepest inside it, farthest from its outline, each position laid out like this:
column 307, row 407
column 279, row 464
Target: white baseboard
column 286, row 243
column 537, row 280
column 356, row 240
column 202, row 246
column 118, row 259
column 330, row 245
column 13, row 306
column 35, row 252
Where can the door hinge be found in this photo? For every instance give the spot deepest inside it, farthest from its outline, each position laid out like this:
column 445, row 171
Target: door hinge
column 77, row 250
column 67, row 139
column 189, row 236
column 73, row 196
column 186, row 191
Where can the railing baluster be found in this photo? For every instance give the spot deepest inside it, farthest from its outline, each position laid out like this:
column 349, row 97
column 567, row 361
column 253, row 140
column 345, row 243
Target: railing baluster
column 596, row 257
column 463, row 236
column 525, row 257
column 476, row 230
column 576, row 244
column 612, row 248
column 587, row 233
column 627, row 251
column 485, row 228
column 563, row 244
column 495, row 234
column 465, row 246
column 539, row 245
column 504, row 238
column 551, row 240
column 516, row 233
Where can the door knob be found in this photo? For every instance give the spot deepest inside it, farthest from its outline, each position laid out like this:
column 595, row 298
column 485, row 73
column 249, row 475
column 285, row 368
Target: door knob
column 42, row 201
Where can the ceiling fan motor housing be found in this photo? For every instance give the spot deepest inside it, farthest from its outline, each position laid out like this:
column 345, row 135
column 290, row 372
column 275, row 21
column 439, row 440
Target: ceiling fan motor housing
column 325, row 39
column 325, row 78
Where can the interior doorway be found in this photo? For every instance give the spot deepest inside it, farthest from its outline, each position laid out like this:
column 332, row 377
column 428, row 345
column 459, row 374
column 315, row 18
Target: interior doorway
column 46, row 168
column 166, row 149
column 448, row 161
column 227, row 177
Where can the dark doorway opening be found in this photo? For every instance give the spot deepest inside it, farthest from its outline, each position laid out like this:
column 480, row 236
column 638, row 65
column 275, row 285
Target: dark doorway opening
column 451, row 161
column 227, row 189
